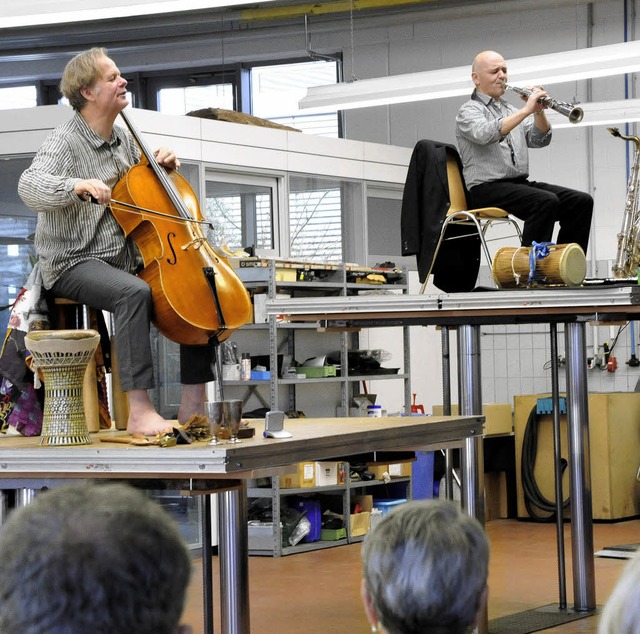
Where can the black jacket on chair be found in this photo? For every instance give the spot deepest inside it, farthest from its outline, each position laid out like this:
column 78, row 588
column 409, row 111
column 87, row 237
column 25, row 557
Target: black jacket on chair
column 425, row 202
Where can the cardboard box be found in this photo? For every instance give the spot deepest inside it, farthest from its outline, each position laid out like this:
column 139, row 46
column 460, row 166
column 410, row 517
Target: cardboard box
column 260, row 308
column 498, row 417
column 365, row 502
column 326, row 474
column 400, row 469
column 359, row 523
column 378, row 470
column 304, row 477
column 495, row 492
column 286, row 275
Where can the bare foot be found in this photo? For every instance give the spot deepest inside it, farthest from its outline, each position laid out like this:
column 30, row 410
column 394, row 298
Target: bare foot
column 143, row 418
column 148, row 425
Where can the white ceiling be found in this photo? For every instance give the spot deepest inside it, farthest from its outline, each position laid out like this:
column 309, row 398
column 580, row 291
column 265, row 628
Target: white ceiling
column 42, row 12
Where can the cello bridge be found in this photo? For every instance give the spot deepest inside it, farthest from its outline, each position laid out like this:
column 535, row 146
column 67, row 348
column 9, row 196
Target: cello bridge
column 196, row 243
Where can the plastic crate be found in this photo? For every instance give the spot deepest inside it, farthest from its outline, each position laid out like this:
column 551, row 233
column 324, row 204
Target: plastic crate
column 386, row 505
column 318, row 372
column 333, row 534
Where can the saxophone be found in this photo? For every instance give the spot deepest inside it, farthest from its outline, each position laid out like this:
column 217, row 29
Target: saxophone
column 628, row 258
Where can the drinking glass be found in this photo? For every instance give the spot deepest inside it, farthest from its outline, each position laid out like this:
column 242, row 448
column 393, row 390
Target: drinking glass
column 233, row 416
column 215, row 415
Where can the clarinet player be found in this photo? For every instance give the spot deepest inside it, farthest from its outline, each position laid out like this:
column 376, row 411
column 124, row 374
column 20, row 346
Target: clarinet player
column 494, row 138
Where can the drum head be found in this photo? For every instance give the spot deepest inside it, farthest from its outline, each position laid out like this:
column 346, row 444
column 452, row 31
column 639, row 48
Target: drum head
column 573, row 265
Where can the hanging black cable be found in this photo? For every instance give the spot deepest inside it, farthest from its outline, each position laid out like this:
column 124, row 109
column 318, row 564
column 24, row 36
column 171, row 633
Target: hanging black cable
column 533, row 497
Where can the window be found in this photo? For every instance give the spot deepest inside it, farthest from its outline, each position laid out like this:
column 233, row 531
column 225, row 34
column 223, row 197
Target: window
column 179, row 101
column 182, row 91
column 18, row 97
column 17, row 226
column 275, row 92
column 241, row 210
column 316, row 207
column 277, row 89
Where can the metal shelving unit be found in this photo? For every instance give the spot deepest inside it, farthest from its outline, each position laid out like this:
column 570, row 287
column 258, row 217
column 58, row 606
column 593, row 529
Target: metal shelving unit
column 261, row 274
column 319, row 280
column 276, row 493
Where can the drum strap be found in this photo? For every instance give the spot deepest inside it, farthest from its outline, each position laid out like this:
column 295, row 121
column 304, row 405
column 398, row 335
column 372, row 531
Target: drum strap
column 539, row 250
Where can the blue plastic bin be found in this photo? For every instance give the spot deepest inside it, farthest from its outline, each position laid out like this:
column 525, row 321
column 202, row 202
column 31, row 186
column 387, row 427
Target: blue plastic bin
column 386, row 505
column 312, row 507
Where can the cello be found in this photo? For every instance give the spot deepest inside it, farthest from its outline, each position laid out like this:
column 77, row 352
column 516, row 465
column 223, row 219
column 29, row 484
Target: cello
column 197, row 296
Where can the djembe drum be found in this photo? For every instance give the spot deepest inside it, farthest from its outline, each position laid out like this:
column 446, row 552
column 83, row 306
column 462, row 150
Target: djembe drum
column 62, row 356
column 565, row 265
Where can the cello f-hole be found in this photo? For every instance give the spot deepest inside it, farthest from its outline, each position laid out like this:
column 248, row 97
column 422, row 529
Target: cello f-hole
column 173, row 260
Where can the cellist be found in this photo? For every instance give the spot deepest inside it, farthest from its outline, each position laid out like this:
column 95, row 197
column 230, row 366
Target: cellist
column 82, row 251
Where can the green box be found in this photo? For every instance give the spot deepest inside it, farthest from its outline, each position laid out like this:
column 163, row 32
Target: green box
column 318, row 372
column 333, row 534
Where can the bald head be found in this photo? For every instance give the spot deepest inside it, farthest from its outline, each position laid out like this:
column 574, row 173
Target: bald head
column 489, row 73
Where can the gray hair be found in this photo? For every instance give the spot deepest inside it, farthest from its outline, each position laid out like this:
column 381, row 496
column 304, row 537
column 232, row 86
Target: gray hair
column 425, row 568
column 83, row 71
column 621, row 614
column 100, row 558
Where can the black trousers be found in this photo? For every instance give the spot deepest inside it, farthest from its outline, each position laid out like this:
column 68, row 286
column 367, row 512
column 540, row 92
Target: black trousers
column 540, row 206
column 102, row 286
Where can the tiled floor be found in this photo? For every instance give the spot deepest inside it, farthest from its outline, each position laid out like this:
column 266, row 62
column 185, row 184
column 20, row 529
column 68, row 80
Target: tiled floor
column 318, row 592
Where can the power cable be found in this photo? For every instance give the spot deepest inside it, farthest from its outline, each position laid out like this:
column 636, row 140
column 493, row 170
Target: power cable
column 533, row 497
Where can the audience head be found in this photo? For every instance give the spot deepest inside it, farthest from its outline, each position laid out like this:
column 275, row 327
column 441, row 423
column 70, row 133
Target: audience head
column 101, row 558
column 425, row 568
column 83, row 71
column 621, row 614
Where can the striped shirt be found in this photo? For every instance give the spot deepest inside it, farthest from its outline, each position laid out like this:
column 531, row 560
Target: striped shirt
column 487, row 155
column 70, row 230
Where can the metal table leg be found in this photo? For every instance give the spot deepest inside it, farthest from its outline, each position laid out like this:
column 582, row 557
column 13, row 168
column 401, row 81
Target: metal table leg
column 233, row 551
column 4, row 506
column 446, row 409
column 584, row 594
column 472, row 462
column 470, row 397
column 207, row 565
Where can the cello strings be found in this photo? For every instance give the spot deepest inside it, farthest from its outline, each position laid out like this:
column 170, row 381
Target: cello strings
column 137, row 209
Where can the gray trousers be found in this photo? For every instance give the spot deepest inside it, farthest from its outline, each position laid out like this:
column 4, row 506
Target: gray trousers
column 104, row 287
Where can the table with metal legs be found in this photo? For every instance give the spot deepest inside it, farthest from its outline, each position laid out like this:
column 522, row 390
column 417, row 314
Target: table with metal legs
column 572, row 307
column 200, row 469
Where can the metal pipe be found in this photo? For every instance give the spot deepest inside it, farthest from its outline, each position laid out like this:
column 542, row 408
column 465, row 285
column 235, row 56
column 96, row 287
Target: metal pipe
column 580, row 469
column 233, row 542
column 557, row 471
column 470, row 403
column 446, row 408
column 207, row 565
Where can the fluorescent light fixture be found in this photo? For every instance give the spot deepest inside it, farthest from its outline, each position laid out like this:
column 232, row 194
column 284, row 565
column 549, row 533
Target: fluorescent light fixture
column 551, row 68
column 40, row 12
column 600, row 113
